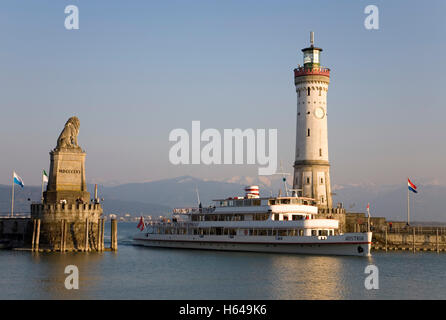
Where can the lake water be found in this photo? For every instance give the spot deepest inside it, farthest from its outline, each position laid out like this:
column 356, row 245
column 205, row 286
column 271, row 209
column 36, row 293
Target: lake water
column 146, row 273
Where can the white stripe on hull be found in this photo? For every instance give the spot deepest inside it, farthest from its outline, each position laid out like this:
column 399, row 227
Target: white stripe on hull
column 327, row 248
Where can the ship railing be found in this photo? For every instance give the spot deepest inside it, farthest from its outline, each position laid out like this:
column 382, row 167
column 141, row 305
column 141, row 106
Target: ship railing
column 193, row 210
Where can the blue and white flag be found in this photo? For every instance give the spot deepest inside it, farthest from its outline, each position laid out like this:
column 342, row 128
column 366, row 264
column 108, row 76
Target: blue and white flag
column 18, row 180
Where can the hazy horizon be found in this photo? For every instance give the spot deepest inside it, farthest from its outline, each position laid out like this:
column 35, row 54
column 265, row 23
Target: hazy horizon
column 133, row 74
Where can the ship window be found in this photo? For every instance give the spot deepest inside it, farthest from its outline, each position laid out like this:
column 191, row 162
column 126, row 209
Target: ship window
column 308, row 132
column 256, row 202
column 323, row 232
column 276, row 217
column 285, row 217
column 314, row 232
column 308, row 91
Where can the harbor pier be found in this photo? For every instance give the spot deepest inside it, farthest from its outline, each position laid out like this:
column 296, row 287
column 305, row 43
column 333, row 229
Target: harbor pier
column 66, row 218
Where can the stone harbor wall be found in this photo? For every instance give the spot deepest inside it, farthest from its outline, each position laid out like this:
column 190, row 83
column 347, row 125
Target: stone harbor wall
column 15, row 232
column 411, row 239
column 69, row 227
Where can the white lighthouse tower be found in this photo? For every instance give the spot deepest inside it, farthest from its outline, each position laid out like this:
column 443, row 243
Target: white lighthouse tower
column 311, row 166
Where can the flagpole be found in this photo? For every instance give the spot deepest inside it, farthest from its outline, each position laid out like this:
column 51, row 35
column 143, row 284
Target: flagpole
column 408, row 206
column 368, row 218
column 41, row 196
column 12, row 196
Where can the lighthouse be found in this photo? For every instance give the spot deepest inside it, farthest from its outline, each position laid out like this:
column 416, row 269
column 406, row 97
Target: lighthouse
column 311, row 166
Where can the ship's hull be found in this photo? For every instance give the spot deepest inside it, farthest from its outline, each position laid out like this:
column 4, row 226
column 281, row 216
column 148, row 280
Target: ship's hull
column 354, row 244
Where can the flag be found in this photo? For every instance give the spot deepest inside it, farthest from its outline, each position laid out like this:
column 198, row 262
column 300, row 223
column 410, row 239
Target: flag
column 18, row 180
column 368, row 206
column 141, row 224
column 411, row 186
column 44, row 176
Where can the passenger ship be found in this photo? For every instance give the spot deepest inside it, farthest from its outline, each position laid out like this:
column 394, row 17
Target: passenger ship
column 256, row 224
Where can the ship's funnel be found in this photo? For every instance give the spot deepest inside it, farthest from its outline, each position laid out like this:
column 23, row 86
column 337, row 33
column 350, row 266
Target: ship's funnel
column 252, row 192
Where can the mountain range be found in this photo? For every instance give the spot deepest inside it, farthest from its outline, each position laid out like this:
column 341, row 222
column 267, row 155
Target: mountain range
column 159, row 197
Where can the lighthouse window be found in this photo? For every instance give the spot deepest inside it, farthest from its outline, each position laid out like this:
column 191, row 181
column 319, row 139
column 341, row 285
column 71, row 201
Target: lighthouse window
column 322, row 181
column 308, row 91
column 308, row 133
column 320, row 91
column 308, row 180
column 320, row 152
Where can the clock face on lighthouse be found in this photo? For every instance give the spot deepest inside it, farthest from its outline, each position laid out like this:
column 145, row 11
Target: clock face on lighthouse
column 319, row 113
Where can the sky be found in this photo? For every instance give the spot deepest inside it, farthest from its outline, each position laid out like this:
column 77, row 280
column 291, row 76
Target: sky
column 134, row 71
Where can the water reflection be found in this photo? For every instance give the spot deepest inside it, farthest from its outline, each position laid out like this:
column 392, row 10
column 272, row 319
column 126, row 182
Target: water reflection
column 317, row 277
column 144, row 273
column 47, row 274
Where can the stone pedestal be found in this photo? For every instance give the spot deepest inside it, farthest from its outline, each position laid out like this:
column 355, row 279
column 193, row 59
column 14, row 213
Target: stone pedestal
column 69, row 221
column 66, row 181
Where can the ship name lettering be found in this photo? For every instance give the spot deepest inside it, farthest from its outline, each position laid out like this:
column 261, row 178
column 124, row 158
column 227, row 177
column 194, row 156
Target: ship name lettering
column 354, row 238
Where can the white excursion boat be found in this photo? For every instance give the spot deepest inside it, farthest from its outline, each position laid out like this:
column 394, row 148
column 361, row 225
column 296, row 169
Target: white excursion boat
column 251, row 223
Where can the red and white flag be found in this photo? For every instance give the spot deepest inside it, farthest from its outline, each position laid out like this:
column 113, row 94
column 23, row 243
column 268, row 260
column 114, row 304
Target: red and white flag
column 141, row 225
column 411, row 186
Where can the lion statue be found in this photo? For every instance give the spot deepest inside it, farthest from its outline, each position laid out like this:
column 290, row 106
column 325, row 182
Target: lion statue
column 68, row 136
